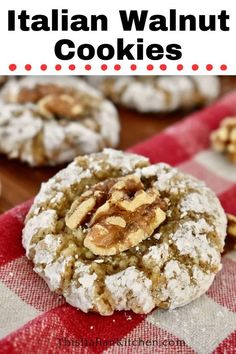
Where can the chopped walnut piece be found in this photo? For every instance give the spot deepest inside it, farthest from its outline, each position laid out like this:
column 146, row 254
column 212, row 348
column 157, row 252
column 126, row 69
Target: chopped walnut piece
column 118, row 213
column 60, row 106
column 231, row 230
column 61, row 102
column 79, row 211
column 37, row 92
column 224, row 138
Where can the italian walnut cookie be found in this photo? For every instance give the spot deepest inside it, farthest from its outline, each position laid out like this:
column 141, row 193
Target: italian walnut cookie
column 112, row 232
column 158, row 93
column 50, row 120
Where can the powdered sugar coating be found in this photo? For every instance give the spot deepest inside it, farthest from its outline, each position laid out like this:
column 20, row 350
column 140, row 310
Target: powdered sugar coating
column 53, row 272
column 180, row 287
column 190, row 239
column 157, row 255
column 44, row 222
column 172, row 267
column 131, row 289
column 158, row 94
column 81, row 296
column 25, row 135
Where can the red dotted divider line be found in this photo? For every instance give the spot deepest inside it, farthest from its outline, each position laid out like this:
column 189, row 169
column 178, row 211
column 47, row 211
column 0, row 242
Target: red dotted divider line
column 117, row 67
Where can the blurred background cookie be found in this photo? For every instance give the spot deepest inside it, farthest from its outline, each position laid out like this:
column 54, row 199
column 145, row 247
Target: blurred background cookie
column 158, row 94
column 50, row 120
column 136, row 127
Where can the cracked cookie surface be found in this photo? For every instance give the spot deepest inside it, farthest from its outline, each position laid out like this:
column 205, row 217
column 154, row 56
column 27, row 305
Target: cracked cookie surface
column 113, row 232
column 158, row 94
column 50, row 120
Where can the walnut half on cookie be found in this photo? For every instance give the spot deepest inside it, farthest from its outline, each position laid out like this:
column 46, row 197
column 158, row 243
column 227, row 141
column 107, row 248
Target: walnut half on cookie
column 112, row 232
column 120, row 214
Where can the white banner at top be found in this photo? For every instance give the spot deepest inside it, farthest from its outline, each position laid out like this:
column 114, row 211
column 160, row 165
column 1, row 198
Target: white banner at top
column 118, row 38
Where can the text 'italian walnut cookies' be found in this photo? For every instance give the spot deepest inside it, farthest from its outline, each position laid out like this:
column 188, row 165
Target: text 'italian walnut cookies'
column 112, row 232
column 224, row 138
column 158, row 94
column 50, row 120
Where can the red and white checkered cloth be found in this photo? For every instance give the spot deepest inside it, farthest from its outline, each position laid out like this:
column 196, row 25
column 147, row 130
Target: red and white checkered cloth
column 34, row 320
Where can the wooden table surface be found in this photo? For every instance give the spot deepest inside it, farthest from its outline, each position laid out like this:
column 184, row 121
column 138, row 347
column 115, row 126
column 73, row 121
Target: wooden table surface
column 21, row 182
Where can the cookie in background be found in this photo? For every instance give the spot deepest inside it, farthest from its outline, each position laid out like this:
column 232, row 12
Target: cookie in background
column 50, row 120
column 158, row 94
